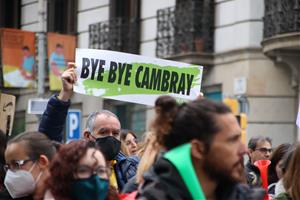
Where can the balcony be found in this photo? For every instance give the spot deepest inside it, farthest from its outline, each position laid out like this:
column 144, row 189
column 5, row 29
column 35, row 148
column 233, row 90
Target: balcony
column 281, row 26
column 118, row 35
column 185, row 32
column 282, row 34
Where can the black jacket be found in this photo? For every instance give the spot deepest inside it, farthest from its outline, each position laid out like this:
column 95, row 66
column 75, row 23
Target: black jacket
column 163, row 182
column 253, row 175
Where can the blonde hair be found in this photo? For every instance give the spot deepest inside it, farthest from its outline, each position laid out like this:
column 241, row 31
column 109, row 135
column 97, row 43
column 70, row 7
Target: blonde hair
column 124, row 148
column 148, row 151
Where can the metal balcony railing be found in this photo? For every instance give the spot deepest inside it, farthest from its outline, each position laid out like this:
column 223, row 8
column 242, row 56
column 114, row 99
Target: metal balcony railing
column 117, row 35
column 281, row 16
column 185, row 28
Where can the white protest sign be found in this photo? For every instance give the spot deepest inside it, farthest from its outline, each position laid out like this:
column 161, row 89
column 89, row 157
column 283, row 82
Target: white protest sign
column 133, row 78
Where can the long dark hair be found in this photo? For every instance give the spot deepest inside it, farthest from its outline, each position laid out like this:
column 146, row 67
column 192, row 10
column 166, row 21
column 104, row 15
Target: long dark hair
column 292, row 174
column 276, row 156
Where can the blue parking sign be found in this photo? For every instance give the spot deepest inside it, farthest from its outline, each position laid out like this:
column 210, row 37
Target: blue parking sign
column 73, row 125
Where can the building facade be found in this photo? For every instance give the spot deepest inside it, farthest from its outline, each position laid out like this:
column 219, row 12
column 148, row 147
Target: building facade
column 245, row 54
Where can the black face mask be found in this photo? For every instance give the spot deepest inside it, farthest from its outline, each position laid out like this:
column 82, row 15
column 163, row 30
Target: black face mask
column 109, row 146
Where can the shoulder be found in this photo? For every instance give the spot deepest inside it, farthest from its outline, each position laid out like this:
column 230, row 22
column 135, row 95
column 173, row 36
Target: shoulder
column 121, row 158
column 243, row 190
column 163, row 181
column 283, row 196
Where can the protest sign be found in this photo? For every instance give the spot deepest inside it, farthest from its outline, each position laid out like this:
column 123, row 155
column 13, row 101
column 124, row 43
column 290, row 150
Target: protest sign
column 133, row 78
column 7, row 112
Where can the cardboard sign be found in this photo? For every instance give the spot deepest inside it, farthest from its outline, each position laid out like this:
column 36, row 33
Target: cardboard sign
column 133, row 78
column 61, row 49
column 18, row 58
column 7, row 112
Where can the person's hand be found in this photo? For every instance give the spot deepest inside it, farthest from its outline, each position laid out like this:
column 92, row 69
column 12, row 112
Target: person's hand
column 200, row 96
column 68, row 78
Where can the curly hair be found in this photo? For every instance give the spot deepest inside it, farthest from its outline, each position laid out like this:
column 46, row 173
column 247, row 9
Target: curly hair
column 63, row 167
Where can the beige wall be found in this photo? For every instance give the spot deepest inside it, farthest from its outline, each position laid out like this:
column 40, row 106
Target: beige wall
column 272, row 100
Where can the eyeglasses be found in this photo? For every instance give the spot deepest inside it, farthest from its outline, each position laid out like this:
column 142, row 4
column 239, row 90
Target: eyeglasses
column 16, row 164
column 264, row 150
column 85, row 171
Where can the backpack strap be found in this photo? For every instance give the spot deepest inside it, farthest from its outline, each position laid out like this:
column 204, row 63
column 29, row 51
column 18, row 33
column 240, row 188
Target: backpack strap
column 180, row 157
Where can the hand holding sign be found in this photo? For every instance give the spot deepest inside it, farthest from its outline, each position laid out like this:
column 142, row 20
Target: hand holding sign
column 133, row 78
column 68, row 78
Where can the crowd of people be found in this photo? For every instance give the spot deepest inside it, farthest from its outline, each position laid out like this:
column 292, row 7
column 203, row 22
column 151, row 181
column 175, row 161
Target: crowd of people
column 193, row 150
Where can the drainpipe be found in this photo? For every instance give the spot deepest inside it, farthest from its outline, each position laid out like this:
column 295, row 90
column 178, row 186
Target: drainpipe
column 41, row 47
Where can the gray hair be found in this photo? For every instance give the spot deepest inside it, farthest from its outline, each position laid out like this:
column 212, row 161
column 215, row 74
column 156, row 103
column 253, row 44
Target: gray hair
column 90, row 123
column 253, row 141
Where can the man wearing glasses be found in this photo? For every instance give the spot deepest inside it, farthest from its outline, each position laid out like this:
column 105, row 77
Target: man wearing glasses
column 260, row 148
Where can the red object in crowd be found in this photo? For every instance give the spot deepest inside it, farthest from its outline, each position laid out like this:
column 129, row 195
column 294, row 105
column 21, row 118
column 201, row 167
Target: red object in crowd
column 263, row 165
column 128, row 196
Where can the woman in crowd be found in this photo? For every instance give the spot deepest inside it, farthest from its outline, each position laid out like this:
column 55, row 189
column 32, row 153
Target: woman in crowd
column 291, row 177
column 129, row 142
column 151, row 149
column 27, row 159
column 79, row 171
column 275, row 168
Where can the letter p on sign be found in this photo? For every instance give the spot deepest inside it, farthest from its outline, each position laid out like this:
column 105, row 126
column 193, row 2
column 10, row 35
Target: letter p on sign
column 73, row 125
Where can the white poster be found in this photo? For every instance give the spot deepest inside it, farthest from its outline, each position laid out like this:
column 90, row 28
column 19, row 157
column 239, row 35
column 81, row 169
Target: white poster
column 134, row 78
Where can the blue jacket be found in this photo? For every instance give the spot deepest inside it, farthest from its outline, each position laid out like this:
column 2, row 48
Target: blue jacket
column 52, row 124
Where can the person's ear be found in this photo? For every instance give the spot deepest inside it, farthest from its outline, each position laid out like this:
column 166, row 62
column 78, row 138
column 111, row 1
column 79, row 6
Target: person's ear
column 198, row 150
column 43, row 162
column 87, row 135
column 250, row 151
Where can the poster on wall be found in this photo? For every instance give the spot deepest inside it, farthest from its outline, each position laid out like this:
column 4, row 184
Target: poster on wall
column 18, row 58
column 61, row 49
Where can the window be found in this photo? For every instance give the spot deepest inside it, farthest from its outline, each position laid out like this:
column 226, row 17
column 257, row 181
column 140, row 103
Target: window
column 121, row 32
column 185, row 28
column 132, row 116
column 62, row 16
column 10, row 12
column 128, row 12
column 213, row 92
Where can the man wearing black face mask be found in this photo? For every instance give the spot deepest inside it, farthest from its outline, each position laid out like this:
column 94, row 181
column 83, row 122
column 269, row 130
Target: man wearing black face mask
column 102, row 127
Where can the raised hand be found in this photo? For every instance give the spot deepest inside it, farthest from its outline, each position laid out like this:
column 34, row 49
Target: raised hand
column 68, row 78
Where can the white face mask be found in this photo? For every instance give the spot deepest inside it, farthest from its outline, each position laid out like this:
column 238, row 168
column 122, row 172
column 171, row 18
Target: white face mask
column 20, row 183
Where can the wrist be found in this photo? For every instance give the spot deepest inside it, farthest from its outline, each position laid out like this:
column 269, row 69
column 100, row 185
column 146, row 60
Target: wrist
column 64, row 96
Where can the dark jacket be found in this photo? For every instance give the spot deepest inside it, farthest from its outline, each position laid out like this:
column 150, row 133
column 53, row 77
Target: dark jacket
column 253, row 175
column 52, row 124
column 125, row 168
column 130, row 186
column 163, row 182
